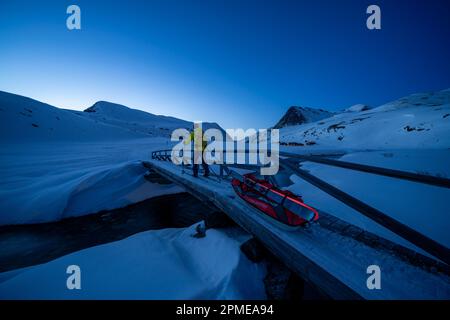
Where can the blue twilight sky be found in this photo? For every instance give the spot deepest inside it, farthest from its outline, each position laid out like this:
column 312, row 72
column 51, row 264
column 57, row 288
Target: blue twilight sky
column 241, row 63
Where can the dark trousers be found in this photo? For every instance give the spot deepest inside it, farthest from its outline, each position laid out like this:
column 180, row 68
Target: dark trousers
column 205, row 168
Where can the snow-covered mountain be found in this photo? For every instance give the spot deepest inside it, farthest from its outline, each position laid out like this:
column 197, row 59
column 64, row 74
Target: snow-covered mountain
column 132, row 119
column 25, row 120
column 358, row 108
column 301, row 115
column 416, row 121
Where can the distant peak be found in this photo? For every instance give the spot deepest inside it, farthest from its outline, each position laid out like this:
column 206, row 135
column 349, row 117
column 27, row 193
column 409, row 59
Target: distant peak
column 296, row 115
column 104, row 105
column 358, row 108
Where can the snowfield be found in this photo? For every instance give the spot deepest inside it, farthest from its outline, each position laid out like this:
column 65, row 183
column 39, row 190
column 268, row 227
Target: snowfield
column 59, row 163
column 162, row 264
column 420, row 206
column 51, row 181
column 410, row 134
column 417, row 121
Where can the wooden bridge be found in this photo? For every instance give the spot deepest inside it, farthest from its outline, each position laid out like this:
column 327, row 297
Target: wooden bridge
column 332, row 255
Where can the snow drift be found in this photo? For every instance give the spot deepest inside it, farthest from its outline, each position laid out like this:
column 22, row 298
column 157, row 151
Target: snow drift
column 56, row 163
column 51, row 181
column 162, row 264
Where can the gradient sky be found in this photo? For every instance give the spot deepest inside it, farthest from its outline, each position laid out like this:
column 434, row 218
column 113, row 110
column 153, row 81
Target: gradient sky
column 241, row 63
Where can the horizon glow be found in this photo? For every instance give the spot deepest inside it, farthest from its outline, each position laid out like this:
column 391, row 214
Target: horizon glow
column 237, row 63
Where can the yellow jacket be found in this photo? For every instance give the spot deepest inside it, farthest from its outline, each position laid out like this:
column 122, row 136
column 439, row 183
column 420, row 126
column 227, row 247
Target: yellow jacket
column 197, row 132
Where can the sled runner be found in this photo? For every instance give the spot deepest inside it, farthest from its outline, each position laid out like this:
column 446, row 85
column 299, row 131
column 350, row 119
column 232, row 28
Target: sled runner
column 281, row 205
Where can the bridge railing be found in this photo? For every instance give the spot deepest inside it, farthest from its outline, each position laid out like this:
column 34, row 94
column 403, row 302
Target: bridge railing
column 290, row 163
column 164, row 155
column 411, row 176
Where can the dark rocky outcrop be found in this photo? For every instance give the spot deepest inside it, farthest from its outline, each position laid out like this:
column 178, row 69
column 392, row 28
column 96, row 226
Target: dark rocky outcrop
column 300, row 115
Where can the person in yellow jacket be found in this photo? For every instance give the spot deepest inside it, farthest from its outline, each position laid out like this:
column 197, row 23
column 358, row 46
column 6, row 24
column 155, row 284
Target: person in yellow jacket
column 199, row 146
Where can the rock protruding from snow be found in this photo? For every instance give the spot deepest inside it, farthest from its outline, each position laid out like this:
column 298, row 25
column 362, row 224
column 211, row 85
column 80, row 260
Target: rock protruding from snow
column 300, row 115
column 358, row 108
column 416, row 121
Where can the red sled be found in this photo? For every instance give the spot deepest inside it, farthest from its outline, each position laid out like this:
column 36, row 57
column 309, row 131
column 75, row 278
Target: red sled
column 281, row 205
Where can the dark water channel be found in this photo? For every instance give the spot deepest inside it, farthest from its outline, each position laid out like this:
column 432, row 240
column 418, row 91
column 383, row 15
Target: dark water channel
column 31, row 244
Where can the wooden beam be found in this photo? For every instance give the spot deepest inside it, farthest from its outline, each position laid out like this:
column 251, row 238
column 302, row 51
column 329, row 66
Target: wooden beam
column 287, row 252
column 420, row 240
column 405, row 175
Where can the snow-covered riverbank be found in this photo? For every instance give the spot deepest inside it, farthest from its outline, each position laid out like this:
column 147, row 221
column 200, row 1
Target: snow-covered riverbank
column 162, row 264
column 48, row 181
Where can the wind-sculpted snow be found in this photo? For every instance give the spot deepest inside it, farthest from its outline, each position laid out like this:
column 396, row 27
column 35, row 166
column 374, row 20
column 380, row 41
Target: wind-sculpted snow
column 163, row 264
column 56, row 163
column 48, row 182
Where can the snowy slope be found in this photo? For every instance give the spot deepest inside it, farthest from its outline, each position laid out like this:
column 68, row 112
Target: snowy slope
column 358, row 108
column 416, row 121
column 26, row 120
column 132, row 119
column 301, row 115
column 55, row 163
column 43, row 182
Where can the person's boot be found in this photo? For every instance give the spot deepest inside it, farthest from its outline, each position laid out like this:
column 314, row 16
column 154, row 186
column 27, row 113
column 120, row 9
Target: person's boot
column 195, row 171
column 206, row 173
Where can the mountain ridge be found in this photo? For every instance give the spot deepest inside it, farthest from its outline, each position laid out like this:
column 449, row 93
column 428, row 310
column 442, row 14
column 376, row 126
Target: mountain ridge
column 296, row 115
column 420, row 120
column 25, row 119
